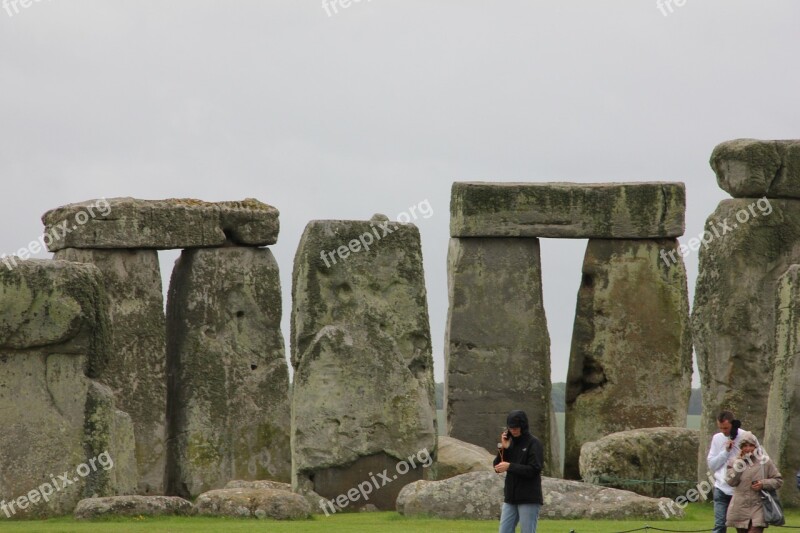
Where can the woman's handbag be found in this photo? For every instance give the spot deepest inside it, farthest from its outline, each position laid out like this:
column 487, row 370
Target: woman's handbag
column 773, row 512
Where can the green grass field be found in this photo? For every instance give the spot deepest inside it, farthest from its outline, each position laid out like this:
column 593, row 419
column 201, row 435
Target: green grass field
column 699, row 517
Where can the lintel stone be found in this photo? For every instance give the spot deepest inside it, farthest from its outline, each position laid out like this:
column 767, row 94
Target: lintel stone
column 751, row 168
column 568, row 210
column 160, row 224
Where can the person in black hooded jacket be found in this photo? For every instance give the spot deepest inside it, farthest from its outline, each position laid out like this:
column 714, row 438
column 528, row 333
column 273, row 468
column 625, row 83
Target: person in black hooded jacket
column 521, row 456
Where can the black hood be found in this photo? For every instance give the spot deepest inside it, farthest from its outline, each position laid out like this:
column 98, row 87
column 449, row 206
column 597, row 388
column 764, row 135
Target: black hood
column 518, row 419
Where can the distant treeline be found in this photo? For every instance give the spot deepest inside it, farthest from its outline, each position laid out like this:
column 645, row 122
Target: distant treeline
column 557, row 396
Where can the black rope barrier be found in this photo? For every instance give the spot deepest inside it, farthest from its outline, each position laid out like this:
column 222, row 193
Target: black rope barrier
column 653, row 528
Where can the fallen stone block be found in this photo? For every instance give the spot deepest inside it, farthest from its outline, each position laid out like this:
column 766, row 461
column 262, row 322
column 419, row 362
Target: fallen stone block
column 314, row 500
column 132, row 506
column 253, row 503
column 258, row 484
column 651, row 461
column 455, row 457
column 479, row 496
column 648, row 210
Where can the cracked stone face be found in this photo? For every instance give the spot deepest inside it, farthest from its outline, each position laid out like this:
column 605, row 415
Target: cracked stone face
column 363, row 393
column 54, row 338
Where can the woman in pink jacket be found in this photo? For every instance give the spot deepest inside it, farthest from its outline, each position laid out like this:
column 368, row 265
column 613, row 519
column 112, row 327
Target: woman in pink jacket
column 748, row 474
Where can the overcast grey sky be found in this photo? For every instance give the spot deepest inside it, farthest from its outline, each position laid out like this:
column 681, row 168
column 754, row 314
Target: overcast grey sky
column 381, row 106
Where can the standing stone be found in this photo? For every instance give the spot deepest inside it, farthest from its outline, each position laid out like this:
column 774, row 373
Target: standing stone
column 54, row 338
column 631, row 360
column 227, row 392
column 363, row 392
column 783, row 408
column 137, row 357
column 497, row 349
column 733, row 317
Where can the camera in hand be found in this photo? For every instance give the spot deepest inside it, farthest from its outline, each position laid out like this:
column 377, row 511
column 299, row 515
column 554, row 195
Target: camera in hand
column 735, row 425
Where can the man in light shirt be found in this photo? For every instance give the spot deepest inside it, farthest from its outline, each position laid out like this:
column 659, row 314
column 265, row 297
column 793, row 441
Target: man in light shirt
column 724, row 445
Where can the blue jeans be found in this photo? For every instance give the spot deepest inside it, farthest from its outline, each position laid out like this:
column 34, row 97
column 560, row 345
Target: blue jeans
column 721, row 501
column 526, row 514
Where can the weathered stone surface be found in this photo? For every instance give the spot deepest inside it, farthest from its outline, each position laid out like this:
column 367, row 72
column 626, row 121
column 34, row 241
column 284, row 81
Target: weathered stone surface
column 733, row 316
column 53, row 303
column 497, row 348
column 160, row 224
column 556, row 470
column 479, row 496
column 109, row 435
column 363, row 392
column 455, row 457
column 783, row 408
column 132, row 506
column 316, row 501
column 662, row 456
column 227, row 399
column 575, row 500
column 631, row 359
column 255, row 503
column 136, row 369
column 749, row 168
column 258, row 484
column 568, row 210
column 472, row 496
column 55, row 419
